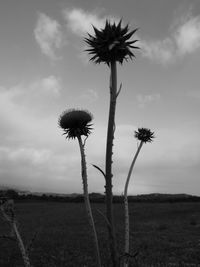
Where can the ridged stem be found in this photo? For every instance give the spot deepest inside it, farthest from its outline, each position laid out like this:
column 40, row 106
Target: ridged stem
column 126, row 209
column 108, row 168
column 86, row 199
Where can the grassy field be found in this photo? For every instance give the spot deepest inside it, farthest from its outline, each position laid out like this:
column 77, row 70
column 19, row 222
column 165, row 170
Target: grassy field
column 163, row 234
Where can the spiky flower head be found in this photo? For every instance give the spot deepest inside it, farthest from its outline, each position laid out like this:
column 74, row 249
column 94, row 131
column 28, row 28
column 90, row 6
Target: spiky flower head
column 111, row 43
column 75, row 123
column 145, row 135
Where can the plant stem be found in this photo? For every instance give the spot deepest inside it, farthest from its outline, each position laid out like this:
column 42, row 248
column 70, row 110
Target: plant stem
column 21, row 245
column 86, row 199
column 108, row 169
column 126, row 210
column 12, row 222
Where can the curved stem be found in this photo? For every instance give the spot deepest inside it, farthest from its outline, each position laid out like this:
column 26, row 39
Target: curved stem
column 126, row 210
column 21, row 246
column 87, row 201
column 108, row 168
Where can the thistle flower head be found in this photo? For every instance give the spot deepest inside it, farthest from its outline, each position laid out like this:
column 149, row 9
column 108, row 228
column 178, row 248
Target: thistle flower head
column 111, row 43
column 145, row 135
column 75, row 123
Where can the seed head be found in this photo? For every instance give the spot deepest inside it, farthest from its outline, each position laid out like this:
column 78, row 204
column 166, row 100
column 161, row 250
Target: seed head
column 75, row 123
column 145, row 135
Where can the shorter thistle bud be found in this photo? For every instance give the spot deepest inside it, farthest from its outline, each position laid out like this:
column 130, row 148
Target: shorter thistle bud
column 145, row 135
column 75, row 123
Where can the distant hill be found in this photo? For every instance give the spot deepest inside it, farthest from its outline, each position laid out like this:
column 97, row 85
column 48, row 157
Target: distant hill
column 94, row 197
column 157, row 197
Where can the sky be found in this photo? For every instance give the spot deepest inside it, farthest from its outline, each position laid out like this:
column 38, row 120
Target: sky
column 44, row 70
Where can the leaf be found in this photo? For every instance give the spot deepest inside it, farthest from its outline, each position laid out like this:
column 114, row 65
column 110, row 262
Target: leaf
column 98, row 168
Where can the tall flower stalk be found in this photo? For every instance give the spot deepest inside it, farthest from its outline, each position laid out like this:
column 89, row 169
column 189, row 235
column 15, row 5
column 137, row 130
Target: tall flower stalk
column 75, row 123
column 111, row 45
column 144, row 135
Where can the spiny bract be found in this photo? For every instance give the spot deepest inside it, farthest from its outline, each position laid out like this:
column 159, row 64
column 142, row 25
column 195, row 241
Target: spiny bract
column 111, row 43
column 75, row 123
column 144, row 135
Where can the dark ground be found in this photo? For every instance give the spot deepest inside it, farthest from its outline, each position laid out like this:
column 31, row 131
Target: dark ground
column 163, row 234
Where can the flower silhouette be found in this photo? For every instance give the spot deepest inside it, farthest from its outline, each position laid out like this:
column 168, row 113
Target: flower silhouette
column 111, row 43
column 145, row 135
column 75, row 123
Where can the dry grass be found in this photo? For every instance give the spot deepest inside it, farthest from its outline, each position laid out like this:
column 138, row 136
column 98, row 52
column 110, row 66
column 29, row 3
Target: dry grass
column 162, row 234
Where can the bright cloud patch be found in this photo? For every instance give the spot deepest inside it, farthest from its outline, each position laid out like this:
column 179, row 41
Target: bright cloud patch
column 36, row 95
column 80, row 21
column 25, row 155
column 185, row 39
column 50, row 84
column 188, row 36
column 143, row 100
column 160, row 51
column 48, row 35
column 22, row 105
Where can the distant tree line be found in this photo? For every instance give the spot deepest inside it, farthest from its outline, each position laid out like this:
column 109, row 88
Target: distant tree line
column 96, row 197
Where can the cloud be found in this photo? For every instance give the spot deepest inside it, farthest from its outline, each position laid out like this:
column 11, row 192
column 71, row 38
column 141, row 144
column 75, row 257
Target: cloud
column 49, row 85
column 25, row 155
column 143, row 100
column 90, row 95
column 48, row 35
column 161, row 51
column 187, row 36
column 26, row 111
column 80, row 22
column 184, row 39
column 38, row 95
column 37, row 168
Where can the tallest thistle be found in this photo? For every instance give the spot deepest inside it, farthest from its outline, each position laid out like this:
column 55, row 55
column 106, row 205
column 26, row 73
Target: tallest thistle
column 111, row 45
